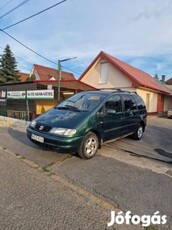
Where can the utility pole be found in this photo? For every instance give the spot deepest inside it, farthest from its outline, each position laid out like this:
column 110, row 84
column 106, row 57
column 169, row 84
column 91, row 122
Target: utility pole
column 59, row 75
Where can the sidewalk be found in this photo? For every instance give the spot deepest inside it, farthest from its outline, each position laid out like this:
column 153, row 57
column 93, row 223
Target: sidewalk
column 13, row 123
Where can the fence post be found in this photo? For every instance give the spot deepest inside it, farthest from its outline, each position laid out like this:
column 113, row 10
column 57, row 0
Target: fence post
column 27, row 107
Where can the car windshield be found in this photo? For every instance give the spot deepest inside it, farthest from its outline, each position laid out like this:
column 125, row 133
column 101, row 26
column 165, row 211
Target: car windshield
column 82, row 102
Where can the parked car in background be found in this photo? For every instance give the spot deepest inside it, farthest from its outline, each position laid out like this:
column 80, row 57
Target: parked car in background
column 169, row 113
column 87, row 119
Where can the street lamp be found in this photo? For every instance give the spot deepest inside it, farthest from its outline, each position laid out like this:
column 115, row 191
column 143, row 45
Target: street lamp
column 59, row 75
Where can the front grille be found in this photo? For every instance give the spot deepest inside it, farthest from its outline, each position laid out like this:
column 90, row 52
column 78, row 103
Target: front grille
column 43, row 128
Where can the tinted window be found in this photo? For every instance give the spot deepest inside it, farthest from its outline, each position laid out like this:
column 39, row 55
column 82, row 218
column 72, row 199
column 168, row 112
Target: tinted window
column 114, row 103
column 129, row 102
column 140, row 103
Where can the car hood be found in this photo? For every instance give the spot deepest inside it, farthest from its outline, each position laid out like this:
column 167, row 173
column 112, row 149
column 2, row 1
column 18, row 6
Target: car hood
column 62, row 118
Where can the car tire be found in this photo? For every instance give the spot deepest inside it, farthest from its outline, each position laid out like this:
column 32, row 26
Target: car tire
column 138, row 133
column 89, row 146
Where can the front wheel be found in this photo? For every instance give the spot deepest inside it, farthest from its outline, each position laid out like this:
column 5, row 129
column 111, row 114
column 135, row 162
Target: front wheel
column 139, row 133
column 89, row 146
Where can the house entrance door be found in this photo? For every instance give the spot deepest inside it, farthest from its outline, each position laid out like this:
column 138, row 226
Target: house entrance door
column 160, row 103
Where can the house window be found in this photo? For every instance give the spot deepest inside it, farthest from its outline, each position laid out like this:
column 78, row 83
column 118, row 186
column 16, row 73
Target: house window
column 103, row 72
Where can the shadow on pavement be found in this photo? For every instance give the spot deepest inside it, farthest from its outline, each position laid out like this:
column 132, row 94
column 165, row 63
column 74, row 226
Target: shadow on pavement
column 163, row 153
column 23, row 139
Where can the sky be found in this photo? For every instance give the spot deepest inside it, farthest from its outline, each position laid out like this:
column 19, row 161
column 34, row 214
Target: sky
column 134, row 31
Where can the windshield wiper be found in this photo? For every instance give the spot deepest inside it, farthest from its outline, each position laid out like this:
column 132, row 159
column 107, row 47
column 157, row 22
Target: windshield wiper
column 61, row 107
column 69, row 107
column 72, row 108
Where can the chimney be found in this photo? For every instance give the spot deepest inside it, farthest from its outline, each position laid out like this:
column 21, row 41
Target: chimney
column 163, row 78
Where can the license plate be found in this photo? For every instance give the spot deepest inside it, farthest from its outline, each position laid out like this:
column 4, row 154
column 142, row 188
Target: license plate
column 37, row 138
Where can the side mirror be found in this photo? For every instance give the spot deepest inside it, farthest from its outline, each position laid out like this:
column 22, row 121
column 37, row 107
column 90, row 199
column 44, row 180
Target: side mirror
column 111, row 111
column 99, row 113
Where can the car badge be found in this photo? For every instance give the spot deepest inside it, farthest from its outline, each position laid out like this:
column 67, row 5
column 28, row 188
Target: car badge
column 41, row 127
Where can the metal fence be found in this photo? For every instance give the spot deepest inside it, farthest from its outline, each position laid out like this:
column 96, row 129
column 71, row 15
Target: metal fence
column 20, row 109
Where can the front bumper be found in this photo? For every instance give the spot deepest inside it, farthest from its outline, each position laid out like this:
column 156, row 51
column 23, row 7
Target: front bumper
column 65, row 144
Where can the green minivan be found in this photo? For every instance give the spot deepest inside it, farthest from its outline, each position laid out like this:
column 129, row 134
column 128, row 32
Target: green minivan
column 86, row 120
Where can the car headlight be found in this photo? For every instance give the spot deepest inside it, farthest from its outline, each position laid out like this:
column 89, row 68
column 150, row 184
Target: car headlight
column 63, row 131
column 33, row 124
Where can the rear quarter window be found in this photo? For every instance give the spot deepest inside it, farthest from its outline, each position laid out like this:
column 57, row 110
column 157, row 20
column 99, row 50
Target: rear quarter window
column 139, row 101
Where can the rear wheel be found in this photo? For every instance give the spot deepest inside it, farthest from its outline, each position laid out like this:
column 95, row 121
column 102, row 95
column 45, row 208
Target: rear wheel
column 89, row 146
column 139, row 133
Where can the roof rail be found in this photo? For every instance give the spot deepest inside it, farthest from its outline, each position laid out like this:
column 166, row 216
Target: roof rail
column 115, row 89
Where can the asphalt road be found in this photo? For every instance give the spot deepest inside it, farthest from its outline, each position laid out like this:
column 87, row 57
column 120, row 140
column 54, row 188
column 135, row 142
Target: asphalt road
column 32, row 200
column 155, row 144
column 140, row 191
column 123, row 173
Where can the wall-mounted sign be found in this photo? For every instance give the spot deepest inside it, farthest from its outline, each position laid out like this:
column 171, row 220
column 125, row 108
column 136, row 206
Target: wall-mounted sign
column 40, row 94
column 3, row 96
column 16, row 94
column 31, row 94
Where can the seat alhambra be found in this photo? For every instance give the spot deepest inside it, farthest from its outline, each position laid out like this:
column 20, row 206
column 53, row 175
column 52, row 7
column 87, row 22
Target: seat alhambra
column 86, row 120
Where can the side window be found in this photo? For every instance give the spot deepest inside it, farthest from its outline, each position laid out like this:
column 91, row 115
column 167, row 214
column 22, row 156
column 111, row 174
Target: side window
column 114, row 103
column 140, row 102
column 129, row 102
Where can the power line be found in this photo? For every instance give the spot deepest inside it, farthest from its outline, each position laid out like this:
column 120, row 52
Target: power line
column 22, row 66
column 38, row 54
column 6, row 4
column 40, row 12
column 15, row 8
column 18, row 64
column 2, row 48
column 64, row 67
column 27, row 46
column 71, row 70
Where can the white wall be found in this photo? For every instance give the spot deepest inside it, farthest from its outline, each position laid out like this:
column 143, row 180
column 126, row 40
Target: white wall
column 115, row 77
column 153, row 98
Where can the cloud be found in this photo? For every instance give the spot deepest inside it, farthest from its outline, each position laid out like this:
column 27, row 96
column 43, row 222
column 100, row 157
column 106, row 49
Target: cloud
column 150, row 10
column 134, row 31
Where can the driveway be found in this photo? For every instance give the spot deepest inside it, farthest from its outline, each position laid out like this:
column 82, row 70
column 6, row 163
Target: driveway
column 155, row 144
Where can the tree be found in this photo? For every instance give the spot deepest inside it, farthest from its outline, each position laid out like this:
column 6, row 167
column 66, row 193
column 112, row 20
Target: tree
column 8, row 67
column 31, row 78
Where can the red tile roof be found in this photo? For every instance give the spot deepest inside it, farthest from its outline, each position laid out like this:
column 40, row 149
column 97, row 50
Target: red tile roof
column 138, row 77
column 169, row 81
column 23, row 76
column 45, row 73
column 68, row 84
